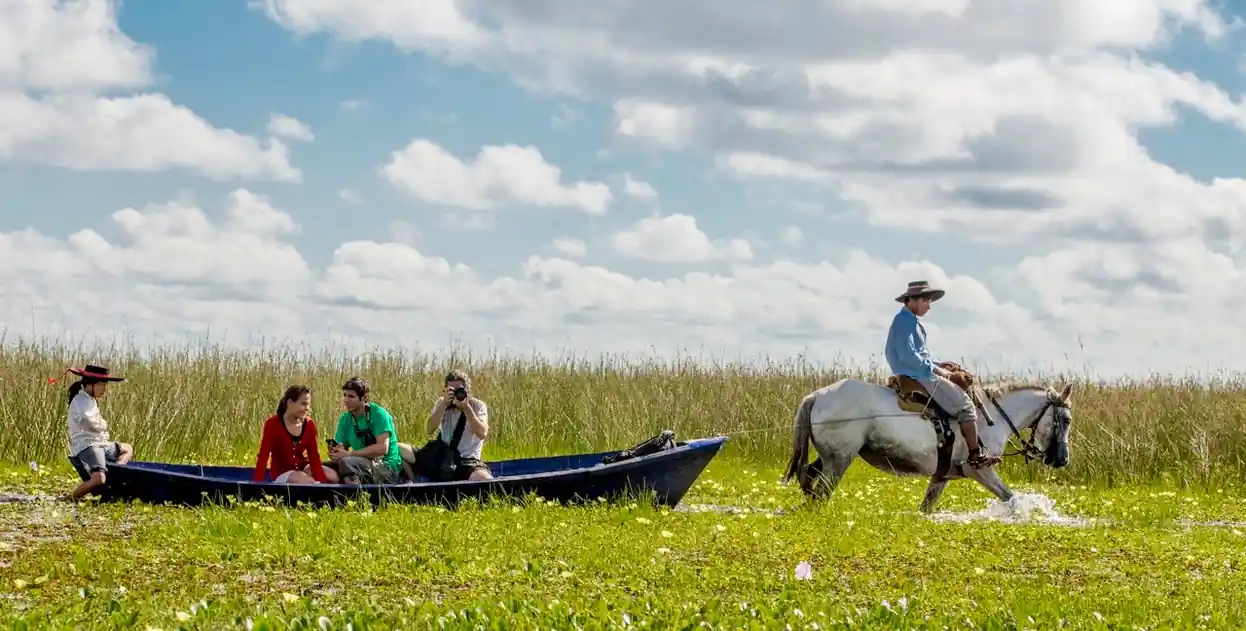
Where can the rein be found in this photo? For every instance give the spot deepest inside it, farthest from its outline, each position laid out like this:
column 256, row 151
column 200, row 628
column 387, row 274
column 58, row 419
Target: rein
column 1028, row 449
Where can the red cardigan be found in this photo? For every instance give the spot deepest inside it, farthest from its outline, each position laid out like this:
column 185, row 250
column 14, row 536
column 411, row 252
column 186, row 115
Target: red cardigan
column 278, row 447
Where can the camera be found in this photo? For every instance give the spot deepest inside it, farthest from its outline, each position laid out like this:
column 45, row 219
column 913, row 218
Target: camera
column 460, row 393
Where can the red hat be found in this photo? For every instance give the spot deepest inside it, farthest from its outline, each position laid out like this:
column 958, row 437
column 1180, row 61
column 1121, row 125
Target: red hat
column 97, row 373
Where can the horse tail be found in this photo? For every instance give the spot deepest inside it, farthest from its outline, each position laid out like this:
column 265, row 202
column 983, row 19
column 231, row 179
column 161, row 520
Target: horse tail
column 797, row 466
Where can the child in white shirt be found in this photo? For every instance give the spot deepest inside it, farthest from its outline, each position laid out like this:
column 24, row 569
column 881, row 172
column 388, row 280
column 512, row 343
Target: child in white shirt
column 90, row 446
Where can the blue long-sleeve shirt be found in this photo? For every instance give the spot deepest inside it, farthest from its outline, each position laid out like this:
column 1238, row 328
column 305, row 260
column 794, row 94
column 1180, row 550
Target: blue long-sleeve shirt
column 906, row 347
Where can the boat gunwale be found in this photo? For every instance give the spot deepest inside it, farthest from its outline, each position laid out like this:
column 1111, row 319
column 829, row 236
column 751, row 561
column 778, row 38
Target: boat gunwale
column 692, row 445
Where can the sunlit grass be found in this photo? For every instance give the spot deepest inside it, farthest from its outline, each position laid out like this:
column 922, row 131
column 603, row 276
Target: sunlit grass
column 1153, row 462
column 874, row 562
column 203, row 403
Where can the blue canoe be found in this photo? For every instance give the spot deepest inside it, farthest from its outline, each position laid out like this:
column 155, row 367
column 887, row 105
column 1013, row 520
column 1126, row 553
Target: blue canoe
column 667, row 474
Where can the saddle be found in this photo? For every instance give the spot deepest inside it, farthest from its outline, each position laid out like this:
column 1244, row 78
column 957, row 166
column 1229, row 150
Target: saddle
column 913, row 397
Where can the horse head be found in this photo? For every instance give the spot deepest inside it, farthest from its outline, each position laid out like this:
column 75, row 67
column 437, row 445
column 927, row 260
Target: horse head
column 1047, row 413
column 1052, row 429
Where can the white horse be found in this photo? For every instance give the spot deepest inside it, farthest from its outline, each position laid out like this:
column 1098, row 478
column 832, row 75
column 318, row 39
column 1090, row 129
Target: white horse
column 851, row 418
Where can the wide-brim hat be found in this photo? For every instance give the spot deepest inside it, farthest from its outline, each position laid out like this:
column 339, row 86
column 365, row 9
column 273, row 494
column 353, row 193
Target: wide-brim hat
column 919, row 288
column 98, row 373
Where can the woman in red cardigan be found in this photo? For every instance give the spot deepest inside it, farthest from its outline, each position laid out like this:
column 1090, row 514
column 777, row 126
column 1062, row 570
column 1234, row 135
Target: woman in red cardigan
column 290, row 443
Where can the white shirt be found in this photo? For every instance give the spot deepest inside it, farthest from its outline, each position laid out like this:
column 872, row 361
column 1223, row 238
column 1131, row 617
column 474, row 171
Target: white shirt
column 470, row 445
column 87, row 427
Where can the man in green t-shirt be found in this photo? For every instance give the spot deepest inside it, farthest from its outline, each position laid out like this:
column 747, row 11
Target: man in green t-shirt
column 367, row 442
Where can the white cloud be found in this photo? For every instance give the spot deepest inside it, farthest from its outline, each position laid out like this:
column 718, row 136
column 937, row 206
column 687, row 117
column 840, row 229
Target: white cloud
column 638, row 189
column 574, row 248
column 1014, row 125
column 173, row 269
column 792, row 235
column 499, row 175
column 289, row 128
column 138, row 133
column 68, row 46
column 428, row 25
column 56, row 61
column 176, row 269
column 350, row 196
column 676, row 238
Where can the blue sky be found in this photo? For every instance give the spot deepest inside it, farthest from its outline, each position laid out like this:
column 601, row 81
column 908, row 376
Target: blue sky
column 234, row 66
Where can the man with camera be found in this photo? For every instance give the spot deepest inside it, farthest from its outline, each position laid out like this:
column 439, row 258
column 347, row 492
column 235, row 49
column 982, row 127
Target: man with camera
column 364, row 449
column 462, row 424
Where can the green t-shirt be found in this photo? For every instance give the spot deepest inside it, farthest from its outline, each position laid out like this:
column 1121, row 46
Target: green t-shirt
column 378, row 421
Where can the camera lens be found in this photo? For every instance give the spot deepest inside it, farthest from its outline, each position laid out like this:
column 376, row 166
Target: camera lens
column 460, row 393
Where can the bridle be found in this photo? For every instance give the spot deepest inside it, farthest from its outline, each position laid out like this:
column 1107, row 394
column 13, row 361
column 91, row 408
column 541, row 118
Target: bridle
column 1028, row 449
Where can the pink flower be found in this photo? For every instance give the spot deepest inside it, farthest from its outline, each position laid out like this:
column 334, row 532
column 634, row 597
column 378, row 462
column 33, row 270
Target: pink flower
column 804, row 571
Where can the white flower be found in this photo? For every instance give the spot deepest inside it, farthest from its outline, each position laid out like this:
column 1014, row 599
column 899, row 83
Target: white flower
column 804, row 571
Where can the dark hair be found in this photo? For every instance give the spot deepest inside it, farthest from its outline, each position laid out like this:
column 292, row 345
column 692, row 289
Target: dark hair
column 77, row 386
column 358, row 386
column 293, row 393
column 459, row 375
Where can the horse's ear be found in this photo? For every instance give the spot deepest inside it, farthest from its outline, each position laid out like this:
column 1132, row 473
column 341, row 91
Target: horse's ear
column 1066, row 393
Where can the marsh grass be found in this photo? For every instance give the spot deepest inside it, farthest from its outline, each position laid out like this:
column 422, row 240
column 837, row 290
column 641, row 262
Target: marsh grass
column 205, row 403
column 875, row 564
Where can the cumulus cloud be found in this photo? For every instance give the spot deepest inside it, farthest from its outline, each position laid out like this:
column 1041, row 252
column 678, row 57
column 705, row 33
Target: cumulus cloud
column 497, row 176
column 57, row 61
column 676, row 238
column 961, row 122
column 638, row 189
column 289, row 128
column 174, row 269
column 569, row 247
column 350, row 196
column 1011, row 125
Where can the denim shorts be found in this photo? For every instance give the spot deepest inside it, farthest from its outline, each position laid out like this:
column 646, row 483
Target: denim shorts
column 95, row 458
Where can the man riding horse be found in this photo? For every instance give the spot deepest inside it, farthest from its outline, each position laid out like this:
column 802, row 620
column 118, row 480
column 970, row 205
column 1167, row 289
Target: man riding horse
column 908, row 356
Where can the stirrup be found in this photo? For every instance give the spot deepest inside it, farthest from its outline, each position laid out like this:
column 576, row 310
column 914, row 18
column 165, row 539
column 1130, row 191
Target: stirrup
column 978, row 459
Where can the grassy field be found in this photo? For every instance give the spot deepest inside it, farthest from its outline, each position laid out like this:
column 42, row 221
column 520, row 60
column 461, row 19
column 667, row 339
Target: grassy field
column 205, row 404
column 1155, row 467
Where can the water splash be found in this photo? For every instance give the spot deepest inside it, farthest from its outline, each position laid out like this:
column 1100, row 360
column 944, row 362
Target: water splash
column 1024, row 508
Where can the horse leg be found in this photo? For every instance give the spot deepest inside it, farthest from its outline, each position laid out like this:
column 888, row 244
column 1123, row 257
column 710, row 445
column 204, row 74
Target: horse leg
column 989, row 478
column 829, row 471
column 933, row 491
column 813, row 473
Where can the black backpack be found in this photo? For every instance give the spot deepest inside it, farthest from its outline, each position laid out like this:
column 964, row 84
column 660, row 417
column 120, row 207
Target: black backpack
column 661, row 442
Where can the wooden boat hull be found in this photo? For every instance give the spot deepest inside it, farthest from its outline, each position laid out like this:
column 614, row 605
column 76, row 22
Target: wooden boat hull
column 569, row 479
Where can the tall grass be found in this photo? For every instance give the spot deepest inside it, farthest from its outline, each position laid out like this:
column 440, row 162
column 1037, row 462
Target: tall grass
column 204, row 403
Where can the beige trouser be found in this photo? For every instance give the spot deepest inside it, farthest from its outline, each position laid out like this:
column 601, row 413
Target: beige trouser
column 951, row 398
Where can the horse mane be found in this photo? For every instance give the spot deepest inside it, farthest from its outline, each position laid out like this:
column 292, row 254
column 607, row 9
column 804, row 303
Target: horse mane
column 996, row 390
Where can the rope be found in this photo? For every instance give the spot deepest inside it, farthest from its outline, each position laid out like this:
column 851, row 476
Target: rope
column 776, row 428
column 812, row 423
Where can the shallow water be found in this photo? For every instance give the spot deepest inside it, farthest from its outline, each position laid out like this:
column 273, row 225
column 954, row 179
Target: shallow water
column 1024, row 508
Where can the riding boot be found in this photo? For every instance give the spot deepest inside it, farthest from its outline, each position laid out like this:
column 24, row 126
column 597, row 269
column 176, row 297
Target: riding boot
column 979, row 459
